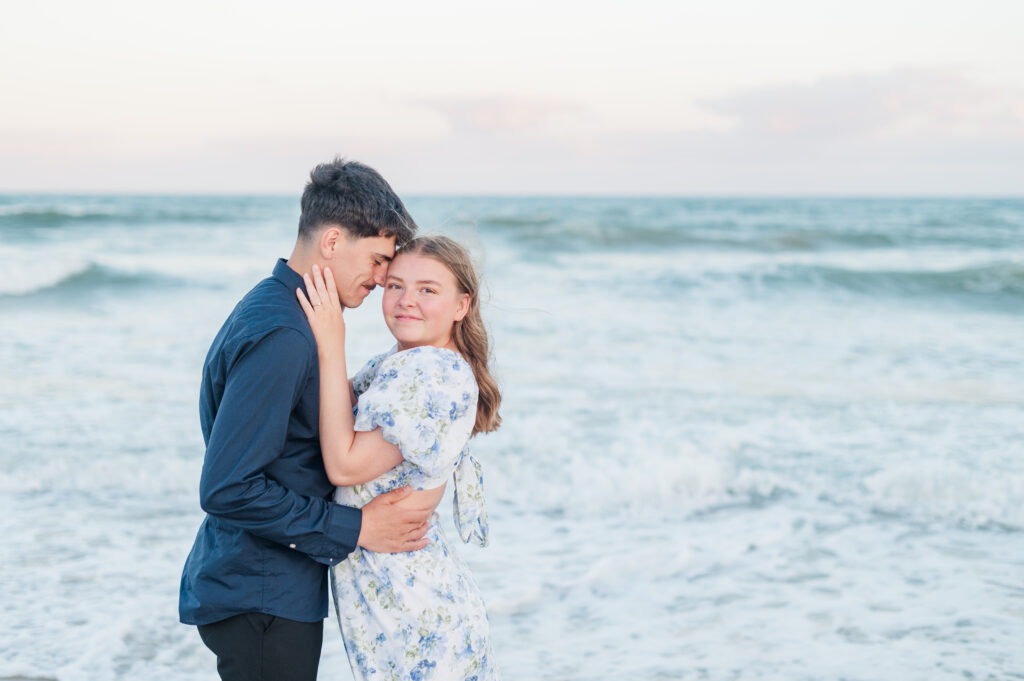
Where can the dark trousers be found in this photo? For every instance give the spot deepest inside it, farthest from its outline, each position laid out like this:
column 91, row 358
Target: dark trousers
column 258, row 647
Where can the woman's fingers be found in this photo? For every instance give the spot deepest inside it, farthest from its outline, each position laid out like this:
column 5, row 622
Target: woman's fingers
column 306, row 307
column 314, row 295
column 321, row 286
column 332, row 288
column 321, row 295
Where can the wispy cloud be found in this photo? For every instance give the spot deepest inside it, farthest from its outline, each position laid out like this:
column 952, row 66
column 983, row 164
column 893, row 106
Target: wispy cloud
column 905, row 131
column 897, row 102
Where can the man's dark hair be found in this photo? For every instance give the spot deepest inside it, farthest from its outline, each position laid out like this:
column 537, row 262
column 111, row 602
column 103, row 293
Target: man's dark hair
column 356, row 198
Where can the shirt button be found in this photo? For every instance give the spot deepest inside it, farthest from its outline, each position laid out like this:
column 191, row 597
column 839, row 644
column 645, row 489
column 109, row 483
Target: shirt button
column 291, row 546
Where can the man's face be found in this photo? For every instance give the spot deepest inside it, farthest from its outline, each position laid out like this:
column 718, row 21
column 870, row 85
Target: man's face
column 359, row 265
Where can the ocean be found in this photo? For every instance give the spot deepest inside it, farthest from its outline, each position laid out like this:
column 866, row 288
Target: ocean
column 743, row 438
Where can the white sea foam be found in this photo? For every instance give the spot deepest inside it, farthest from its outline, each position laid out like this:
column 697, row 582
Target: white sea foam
column 952, row 492
column 23, row 273
column 696, row 477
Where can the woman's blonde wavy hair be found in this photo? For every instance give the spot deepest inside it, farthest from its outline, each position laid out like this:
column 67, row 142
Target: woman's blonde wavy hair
column 469, row 334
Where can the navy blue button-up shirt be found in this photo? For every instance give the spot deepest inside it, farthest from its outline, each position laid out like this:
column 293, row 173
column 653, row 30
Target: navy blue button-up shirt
column 270, row 531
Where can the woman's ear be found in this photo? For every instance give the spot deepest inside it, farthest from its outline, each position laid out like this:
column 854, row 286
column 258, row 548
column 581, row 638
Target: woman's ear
column 463, row 307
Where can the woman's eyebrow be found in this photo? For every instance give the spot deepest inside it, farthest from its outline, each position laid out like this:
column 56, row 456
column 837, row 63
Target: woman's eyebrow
column 421, row 281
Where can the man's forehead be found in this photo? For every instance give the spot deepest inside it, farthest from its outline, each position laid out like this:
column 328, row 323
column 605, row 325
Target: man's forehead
column 379, row 246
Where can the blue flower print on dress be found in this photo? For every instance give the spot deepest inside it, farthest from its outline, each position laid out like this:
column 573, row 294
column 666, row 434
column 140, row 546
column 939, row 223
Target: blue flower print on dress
column 423, row 671
column 417, row 615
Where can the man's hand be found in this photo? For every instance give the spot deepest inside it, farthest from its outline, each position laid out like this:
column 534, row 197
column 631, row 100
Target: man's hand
column 388, row 528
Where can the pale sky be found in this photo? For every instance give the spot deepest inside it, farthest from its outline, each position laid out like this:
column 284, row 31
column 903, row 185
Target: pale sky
column 732, row 97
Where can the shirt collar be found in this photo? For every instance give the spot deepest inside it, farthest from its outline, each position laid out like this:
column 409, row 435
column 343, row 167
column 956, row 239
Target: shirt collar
column 287, row 276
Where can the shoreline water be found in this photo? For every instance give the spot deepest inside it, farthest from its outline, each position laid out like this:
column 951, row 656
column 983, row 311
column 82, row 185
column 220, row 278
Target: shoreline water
column 742, row 440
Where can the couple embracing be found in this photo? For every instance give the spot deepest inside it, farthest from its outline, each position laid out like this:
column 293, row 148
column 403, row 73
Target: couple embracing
column 286, row 432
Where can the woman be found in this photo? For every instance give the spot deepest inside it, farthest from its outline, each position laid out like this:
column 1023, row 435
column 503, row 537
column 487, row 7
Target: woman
column 415, row 615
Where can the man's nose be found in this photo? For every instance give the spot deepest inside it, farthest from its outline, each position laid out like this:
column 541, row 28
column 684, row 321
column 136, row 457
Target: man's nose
column 380, row 274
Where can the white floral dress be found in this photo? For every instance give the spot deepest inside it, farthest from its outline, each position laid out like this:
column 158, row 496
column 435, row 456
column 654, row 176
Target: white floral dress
column 417, row 615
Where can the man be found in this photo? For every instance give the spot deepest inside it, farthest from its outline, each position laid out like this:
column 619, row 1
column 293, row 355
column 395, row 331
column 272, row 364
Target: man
column 255, row 581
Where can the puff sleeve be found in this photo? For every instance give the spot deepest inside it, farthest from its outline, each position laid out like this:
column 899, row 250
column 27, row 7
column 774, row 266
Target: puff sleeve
column 424, row 401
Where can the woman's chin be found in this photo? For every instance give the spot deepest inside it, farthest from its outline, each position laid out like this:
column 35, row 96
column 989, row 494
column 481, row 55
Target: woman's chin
column 418, row 342
column 405, row 341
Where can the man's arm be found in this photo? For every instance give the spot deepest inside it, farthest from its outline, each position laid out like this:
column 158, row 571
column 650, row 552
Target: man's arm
column 249, row 434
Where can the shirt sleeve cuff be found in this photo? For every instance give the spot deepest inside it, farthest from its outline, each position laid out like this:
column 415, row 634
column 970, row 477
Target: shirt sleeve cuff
column 342, row 535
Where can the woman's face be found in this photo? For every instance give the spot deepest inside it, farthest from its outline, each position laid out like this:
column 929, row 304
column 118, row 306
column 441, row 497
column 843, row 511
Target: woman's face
column 422, row 301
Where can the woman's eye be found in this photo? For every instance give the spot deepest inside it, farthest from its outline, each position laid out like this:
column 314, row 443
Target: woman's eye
column 427, row 290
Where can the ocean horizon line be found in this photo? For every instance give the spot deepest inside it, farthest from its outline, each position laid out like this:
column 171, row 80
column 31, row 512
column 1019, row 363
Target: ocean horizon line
column 750, row 196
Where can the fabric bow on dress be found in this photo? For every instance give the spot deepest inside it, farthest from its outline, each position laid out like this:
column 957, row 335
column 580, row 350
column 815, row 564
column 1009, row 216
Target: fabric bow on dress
column 469, row 506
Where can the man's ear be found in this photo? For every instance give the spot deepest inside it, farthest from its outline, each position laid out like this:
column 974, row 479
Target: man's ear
column 463, row 307
column 331, row 242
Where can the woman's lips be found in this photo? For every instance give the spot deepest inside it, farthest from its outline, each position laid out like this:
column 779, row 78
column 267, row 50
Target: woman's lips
column 406, row 318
